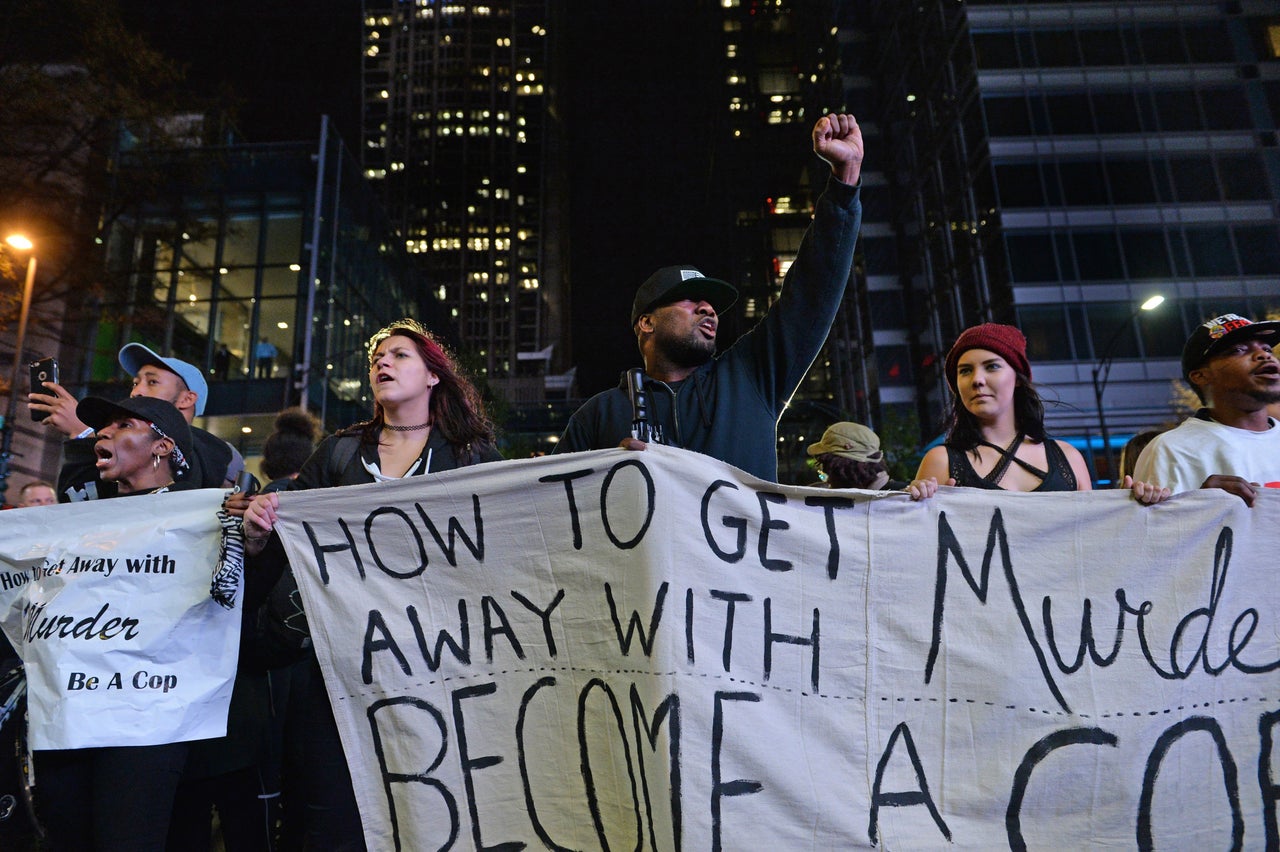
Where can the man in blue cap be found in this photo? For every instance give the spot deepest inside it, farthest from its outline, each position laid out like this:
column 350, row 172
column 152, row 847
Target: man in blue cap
column 728, row 406
column 214, row 464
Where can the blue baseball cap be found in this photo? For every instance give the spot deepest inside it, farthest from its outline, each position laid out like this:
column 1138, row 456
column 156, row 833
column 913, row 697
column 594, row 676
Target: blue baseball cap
column 135, row 356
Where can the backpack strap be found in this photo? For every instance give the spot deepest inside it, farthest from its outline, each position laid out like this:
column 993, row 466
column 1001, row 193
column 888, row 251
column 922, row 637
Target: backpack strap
column 345, row 449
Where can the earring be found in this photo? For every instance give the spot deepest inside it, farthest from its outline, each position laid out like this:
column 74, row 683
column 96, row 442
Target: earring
column 155, row 462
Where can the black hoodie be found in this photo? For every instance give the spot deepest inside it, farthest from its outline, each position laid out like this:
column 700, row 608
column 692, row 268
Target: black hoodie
column 729, row 407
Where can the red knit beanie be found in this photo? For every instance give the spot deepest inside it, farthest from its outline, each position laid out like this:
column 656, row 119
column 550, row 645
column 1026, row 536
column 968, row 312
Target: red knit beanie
column 1004, row 340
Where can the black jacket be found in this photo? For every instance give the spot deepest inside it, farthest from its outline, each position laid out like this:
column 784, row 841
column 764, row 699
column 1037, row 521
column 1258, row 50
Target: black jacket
column 729, row 407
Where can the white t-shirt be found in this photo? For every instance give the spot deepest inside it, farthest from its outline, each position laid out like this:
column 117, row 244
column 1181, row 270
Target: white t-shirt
column 1183, row 458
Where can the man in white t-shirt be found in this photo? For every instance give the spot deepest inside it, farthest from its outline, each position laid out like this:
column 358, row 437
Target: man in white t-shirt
column 1232, row 443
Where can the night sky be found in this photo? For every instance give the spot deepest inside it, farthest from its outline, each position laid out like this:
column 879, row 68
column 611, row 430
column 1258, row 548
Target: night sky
column 638, row 112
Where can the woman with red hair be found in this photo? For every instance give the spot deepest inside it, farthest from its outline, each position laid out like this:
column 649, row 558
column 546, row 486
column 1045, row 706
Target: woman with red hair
column 427, row 418
column 997, row 438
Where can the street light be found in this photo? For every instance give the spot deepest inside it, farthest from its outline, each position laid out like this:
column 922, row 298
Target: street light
column 21, row 243
column 1102, row 372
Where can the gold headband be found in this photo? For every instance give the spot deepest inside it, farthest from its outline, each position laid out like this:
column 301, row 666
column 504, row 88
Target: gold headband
column 386, row 331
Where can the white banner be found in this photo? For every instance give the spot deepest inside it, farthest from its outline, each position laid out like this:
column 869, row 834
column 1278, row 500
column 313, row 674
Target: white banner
column 107, row 602
column 652, row 650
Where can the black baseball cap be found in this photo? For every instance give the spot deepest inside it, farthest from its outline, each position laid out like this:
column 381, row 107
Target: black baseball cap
column 673, row 283
column 1212, row 336
column 167, row 421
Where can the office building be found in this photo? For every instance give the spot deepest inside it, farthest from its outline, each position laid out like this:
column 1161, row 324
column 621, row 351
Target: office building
column 269, row 266
column 460, row 138
column 1054, row 165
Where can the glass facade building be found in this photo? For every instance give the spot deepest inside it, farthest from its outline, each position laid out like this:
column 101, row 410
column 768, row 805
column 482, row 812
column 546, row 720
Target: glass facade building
column 1057, row 163
column 268, row 266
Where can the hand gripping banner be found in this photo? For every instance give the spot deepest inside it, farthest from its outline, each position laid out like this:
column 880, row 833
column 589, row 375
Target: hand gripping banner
column 652, row 650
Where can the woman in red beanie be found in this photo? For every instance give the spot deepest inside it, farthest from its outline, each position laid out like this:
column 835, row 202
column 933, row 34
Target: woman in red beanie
column 997, row 439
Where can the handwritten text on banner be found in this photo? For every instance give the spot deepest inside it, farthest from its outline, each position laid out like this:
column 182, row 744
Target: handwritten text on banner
column 653, row 650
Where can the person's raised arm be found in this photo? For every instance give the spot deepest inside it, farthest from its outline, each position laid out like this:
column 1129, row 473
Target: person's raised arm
column 838, row 140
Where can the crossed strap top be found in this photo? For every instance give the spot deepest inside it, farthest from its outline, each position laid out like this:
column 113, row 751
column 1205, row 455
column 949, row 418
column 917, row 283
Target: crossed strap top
column 1059, row 476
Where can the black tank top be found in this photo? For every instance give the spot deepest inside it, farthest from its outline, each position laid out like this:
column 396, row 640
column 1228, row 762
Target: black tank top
column 1059, row 476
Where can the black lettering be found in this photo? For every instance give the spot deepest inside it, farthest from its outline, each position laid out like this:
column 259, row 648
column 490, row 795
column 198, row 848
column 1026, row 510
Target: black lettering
column 1267, row 778
column 1171, row 735
column 829, row 505
column 1086, row 637
column 907, row 798
column 948, row 546
column 474, row 545
column 588, row 777
column 647, row 732
column 649, row 504
column 320, row 550
column 471, row 764
column 544, row 615
column 1034, row 756
column 417, row 540
column 377, row 623
column 461, row 650
column 567, row 479
column 634, row 627
column 767, row 524
column 495, row 624
column 738, row 524
column 721, row 789
column 788, row 639
column 688, row 625
column 522, row 758
column 390, row 777
column 731, row 600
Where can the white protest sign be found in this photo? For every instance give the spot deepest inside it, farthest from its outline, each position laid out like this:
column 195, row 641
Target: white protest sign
column 655, row 651
column 107, row 602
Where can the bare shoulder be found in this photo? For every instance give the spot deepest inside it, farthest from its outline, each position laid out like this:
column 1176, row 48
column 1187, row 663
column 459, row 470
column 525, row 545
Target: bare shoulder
column 1069, row 451
column 934, row 464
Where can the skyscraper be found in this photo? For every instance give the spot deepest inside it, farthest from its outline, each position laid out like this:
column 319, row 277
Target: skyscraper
column 1055, row 164
column 459, row 133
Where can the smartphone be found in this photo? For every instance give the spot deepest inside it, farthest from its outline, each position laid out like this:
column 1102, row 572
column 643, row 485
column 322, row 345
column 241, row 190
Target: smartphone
column 44, row 370
column 247, row 483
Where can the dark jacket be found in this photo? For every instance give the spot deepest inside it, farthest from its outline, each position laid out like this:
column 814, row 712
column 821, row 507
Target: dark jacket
column 78, row 480
column 340, row 460
column 319, row 471
column 729, row 407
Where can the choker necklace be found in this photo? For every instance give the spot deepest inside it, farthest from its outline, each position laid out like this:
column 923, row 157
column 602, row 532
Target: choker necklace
column 419, row 427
